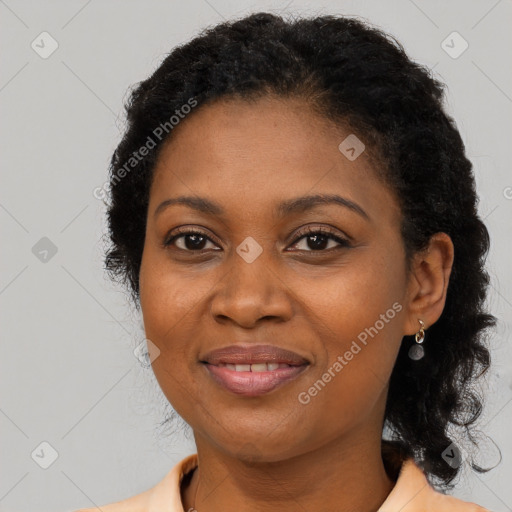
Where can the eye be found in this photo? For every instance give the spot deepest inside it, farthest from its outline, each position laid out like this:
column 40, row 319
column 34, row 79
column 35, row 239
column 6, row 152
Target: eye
column 318, row 239
column 191, row 240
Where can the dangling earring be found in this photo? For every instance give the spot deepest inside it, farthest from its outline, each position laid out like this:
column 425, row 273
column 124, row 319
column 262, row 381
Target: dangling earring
column 416, row 352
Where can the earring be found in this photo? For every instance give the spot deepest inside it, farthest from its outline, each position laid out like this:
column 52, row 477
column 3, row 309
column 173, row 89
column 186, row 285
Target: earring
column 416, row 352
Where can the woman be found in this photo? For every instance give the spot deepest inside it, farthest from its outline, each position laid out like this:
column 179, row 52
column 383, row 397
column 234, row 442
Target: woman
column 294, row 213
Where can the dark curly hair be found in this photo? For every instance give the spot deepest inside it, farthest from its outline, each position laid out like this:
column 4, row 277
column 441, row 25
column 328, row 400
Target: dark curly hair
column 361, row 77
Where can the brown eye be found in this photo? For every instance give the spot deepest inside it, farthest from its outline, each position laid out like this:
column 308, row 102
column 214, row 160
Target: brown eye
column 190, row 240
column 317, row 240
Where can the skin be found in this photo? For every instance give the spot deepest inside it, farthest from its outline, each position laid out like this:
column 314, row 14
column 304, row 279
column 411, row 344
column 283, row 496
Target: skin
column 273, row 452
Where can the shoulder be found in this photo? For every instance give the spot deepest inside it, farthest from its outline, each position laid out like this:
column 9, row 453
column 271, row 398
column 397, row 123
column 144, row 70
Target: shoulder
column 442, row 502
column 137, row 503
column 413, row 493
column 163, row 497
column 449, row 503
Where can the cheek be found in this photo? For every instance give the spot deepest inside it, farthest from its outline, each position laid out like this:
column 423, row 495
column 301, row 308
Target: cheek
column 358, row 314
column 354, row 298
column 169, row 297
column 170, row 321
column 169, row 306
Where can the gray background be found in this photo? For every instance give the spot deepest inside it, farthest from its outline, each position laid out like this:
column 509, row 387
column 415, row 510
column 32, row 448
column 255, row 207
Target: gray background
column 69, row 374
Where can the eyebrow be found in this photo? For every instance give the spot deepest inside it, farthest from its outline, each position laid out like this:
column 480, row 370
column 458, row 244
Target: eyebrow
column 296, row 205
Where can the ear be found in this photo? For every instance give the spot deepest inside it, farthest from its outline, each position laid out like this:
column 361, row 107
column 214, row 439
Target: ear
column 428, row 283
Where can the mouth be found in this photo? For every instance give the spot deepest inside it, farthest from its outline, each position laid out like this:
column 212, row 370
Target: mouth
column 253, row 370
column 244, row 380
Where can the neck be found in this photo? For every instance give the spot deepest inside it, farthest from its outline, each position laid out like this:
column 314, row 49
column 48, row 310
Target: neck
column 346, row 475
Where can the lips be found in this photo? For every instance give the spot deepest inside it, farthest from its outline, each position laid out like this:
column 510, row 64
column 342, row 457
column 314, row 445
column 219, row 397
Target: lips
column 253, row 355
column 253, row 370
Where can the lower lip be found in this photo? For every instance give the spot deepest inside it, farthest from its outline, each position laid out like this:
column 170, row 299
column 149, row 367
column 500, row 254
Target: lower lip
column 253, row 383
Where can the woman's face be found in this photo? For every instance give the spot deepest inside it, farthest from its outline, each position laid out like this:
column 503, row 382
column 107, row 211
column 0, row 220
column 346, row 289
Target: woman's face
column 254, row 276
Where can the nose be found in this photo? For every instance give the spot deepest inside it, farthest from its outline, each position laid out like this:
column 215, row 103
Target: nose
column 251, row 292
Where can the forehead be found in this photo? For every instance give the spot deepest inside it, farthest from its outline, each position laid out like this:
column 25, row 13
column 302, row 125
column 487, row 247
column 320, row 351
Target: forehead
column 252, row 153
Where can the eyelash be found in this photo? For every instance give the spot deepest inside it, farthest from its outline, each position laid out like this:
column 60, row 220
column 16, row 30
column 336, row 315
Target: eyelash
column 344, row 243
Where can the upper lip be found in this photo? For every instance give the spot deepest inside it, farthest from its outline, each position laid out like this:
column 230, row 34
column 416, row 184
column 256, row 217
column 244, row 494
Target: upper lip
column 252, row 354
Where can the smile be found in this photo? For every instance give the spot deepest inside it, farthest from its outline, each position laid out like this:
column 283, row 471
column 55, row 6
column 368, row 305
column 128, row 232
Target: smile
column 253, row 379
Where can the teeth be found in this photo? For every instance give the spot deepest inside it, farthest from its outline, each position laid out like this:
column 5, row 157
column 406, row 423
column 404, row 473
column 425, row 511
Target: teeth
column 257, row 367
column 260, row 367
